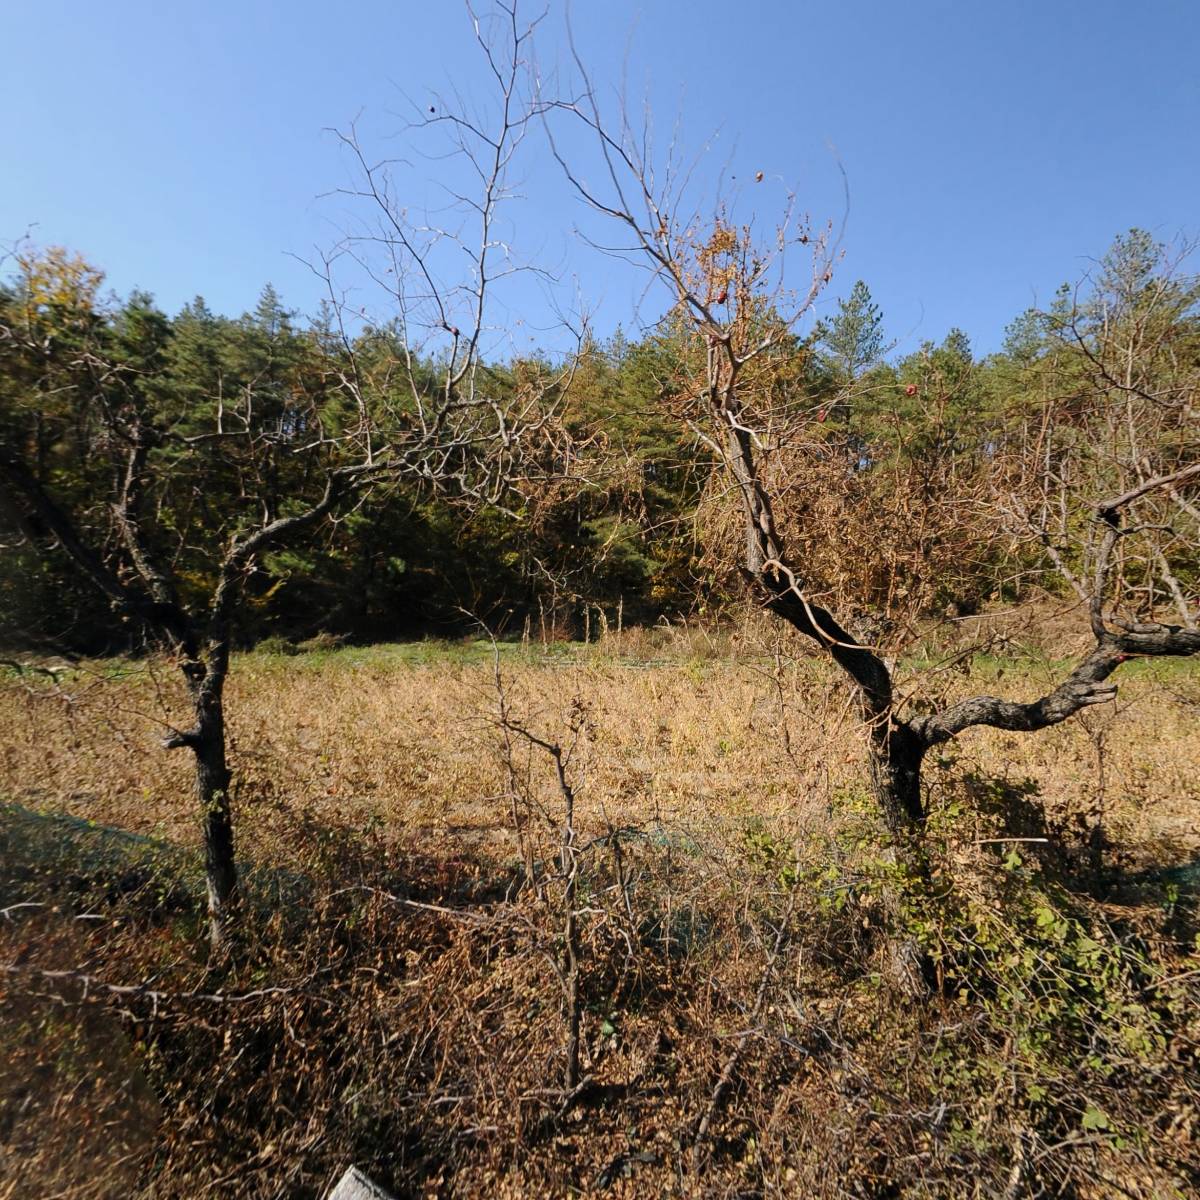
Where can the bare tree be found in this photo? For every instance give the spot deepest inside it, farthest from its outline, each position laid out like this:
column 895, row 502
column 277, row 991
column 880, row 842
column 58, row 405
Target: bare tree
column 425, row 407
column 429, row 360
column 1113, row 409
column 727, row 288
column 279, row 477
column 568, row 875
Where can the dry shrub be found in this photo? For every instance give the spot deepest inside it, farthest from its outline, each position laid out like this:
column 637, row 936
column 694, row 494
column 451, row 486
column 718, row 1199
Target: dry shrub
column 398, row 997
column 911, row 537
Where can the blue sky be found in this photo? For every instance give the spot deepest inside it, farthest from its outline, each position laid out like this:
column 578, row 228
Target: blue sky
column 990, row 148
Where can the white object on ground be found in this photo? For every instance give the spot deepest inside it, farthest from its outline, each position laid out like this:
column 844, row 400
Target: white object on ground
column 354, row 1185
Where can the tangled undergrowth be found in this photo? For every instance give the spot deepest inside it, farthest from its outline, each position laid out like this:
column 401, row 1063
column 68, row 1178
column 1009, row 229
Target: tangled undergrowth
column 407, row 1006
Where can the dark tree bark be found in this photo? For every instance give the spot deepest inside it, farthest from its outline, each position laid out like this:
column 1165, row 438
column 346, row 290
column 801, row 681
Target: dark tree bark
column 895, row 748
column 212, row 797
column 212, row 780
column 200, row 640
column 897, row 745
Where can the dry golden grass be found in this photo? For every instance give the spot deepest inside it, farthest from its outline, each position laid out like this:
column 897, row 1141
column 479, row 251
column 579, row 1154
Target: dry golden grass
column 370, row 735
column 417, row 1026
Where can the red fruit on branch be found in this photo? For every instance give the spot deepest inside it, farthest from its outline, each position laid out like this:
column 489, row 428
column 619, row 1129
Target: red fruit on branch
column 911, row 390
column 723, row 296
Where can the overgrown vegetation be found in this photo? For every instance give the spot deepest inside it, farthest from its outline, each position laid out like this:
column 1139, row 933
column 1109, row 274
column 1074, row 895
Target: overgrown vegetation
column 988, row 450
column 400, row 1000
column 681, row 907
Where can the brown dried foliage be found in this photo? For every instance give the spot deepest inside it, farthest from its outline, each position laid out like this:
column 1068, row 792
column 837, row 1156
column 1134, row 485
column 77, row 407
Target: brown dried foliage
column 400, row 1000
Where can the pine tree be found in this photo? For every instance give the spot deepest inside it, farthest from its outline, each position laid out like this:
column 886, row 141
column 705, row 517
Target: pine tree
column 853, row 340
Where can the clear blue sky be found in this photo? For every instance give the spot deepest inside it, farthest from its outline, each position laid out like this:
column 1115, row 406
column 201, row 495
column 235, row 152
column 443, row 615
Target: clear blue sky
column 991, row 148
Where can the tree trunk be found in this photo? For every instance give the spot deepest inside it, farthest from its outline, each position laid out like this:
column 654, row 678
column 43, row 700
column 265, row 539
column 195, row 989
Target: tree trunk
column 212, row 795
column 896, row 754
column 895, row 760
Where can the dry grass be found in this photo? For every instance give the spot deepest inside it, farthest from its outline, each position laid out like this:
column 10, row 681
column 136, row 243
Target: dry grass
column 356, row 736
column 418, row 1026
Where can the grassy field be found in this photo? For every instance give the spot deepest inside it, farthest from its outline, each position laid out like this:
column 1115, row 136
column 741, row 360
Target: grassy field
column 404, row 736
column 399, row 997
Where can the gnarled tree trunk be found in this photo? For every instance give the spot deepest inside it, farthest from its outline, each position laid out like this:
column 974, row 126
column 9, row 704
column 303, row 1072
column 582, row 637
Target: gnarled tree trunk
column 896, row 754
column 206, row 740
column 212, row 796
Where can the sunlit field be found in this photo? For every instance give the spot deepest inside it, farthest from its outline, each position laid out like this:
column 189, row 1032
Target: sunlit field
column 403, row 1004
column 690, row 733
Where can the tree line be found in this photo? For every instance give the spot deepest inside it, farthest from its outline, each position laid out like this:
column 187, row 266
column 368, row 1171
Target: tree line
column 872, row 439
column 196, row 483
